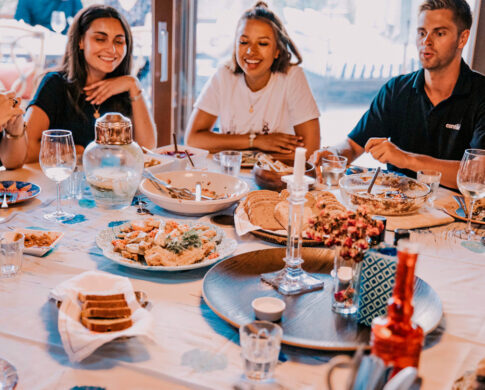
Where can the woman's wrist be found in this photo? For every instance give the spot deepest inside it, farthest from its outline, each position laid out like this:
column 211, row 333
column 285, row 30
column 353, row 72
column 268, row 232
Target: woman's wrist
column 135, row 90
column 9, row 135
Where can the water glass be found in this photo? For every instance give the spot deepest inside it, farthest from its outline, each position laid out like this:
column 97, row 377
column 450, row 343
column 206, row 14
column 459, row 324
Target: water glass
column 230, row 162
column 346, row 284
column 260, row 343
column 333, row 168
column 11, row 254
column 73, row 186
column 431, row 178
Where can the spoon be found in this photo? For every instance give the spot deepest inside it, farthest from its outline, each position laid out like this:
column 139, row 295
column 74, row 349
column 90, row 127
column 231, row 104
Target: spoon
column 4, row 203
column 373, row 180
column 175, row 144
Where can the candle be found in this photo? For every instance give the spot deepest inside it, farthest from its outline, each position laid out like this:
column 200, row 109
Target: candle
column 344, row 274
column 299, row 165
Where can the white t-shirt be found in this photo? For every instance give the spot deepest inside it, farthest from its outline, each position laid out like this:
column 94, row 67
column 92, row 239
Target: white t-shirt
column 284, row 102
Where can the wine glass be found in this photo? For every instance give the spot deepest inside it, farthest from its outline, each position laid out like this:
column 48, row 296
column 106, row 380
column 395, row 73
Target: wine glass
column 471, row 182
column 57, row 159
column 58, row 21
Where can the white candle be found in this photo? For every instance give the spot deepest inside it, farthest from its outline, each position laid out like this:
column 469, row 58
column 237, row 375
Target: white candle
column 344, row 274
column 299, row 165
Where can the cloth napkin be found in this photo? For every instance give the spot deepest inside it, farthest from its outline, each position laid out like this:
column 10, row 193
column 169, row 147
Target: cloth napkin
column 425, row 217
column 78, row 341
column 243, row 225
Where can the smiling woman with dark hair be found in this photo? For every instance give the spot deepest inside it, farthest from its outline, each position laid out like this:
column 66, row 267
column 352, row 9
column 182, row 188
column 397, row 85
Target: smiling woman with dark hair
column 261, row 97
column 94, row 79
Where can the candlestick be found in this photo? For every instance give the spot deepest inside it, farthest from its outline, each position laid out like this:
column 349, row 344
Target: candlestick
column 344, row 274
column 299, row 165
column 293, row 279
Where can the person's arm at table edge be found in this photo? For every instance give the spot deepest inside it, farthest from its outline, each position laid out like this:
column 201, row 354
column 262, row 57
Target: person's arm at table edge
column 199, row 134
column 143, row 125
column 310, row 131
column 13, row 150
column 37, row 121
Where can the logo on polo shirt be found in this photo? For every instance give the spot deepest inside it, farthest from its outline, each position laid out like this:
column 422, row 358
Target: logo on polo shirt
column 453, row 127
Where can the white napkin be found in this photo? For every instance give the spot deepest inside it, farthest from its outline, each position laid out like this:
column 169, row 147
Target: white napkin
column 78, row 341
column 243, row 225
column 425, row 217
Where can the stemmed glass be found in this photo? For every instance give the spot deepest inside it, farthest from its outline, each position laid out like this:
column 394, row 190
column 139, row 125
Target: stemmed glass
column 57, row 159
column 471, row 182
column 58, row 21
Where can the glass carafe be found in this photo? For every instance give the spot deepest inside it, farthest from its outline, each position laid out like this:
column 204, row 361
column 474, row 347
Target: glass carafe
column 113, row 162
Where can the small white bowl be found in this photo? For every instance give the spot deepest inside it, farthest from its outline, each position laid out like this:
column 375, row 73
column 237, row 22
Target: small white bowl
column 198, row 156
column 268, row 308
column 163, row 163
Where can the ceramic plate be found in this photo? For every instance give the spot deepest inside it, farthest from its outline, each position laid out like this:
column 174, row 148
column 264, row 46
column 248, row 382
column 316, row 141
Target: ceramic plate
column 41, row 250
column 225, row 248
column 18, row 191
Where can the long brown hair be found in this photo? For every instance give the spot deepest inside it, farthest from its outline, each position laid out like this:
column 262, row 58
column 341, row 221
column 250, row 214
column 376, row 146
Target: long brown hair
column 285, row 45
column 74, row 66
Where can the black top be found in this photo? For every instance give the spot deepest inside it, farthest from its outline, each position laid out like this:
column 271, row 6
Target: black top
column 402, row 111
column 52, row 98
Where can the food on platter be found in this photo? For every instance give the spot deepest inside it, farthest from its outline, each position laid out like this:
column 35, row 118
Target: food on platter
column 391, row 195
column 14, row 187
column 167, row 243
column 173, row 153
column 473, row 379
column 105, row 313
column 151, row 162
column 269, row 164
column 479, row 210
column 270, row 209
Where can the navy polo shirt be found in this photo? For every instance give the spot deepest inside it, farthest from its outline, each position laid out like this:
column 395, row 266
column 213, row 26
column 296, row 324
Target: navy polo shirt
column 402, row 111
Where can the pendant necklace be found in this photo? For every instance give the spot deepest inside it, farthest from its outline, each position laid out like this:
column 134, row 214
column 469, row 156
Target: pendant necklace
column 251, row 102
column 96, row 110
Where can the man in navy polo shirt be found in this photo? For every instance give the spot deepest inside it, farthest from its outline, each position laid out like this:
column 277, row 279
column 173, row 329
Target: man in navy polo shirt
column 426, row 119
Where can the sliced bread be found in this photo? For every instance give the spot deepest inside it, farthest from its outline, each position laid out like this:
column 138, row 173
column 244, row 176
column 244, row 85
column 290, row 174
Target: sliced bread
column 106, row 325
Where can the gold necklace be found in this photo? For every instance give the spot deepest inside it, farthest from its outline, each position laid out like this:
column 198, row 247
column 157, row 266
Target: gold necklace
column 96, row 110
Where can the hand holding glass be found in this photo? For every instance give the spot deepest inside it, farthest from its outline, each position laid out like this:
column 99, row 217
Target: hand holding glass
column 471, row 182
column 57, row 159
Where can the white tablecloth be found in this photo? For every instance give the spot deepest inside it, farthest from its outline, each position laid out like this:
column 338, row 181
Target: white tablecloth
column 194, row 348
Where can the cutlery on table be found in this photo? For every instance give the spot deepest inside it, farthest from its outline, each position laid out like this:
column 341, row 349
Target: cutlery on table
column 373, row 180
column 461, row 202
column 175, row 146
column 190, row 159
column 181, row 193
column 4, row 203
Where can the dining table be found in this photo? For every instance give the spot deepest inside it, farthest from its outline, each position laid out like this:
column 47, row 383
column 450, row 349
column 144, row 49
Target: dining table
column 192, row 347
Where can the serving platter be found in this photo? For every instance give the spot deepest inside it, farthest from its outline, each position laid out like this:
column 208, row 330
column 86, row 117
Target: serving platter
column 19, row 194
column 225, row 248
column 308, row 321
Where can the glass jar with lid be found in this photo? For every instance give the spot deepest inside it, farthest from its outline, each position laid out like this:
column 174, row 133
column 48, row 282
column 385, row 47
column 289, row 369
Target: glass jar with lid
column 113, row 162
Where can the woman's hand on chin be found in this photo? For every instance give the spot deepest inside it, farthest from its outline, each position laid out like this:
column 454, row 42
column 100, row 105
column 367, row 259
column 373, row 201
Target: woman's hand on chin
column 100, row 91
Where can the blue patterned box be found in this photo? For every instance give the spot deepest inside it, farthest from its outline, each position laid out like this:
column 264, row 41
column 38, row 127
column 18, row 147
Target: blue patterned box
column 376, row 285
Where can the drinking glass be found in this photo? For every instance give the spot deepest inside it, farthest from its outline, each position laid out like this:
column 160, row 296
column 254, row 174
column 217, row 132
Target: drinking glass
column 260, row 344
column 231, row 162
column 57, row 159
column 333, row 168
column 471, row 182
column 58, row 21
column 431, row 178
column 8, row 375
column 11, row 254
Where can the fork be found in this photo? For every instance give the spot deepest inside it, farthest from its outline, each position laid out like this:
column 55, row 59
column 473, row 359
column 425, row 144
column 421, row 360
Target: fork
column 4, row 203
column 462, row 203
column 183, row 193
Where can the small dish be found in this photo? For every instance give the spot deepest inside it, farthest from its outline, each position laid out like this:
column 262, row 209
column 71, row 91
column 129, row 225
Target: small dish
column 41, row 250
column 180, row 160
column 156, row 164
column 268, row 308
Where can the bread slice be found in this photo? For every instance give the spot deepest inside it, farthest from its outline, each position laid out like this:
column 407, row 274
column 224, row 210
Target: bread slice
column 105, row 304
column 100, row 297
column 116, row 312
column 262, row 214
column 282, row 212
column 106, row 325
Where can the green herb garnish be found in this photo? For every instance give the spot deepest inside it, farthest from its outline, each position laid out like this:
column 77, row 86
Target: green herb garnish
column 190, row 239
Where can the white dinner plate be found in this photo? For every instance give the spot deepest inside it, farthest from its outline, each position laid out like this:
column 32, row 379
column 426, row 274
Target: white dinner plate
column 226, row 247
column 41, row 250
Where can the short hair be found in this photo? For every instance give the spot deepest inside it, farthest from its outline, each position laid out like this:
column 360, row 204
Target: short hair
column 285, row 45
column 462, row 14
